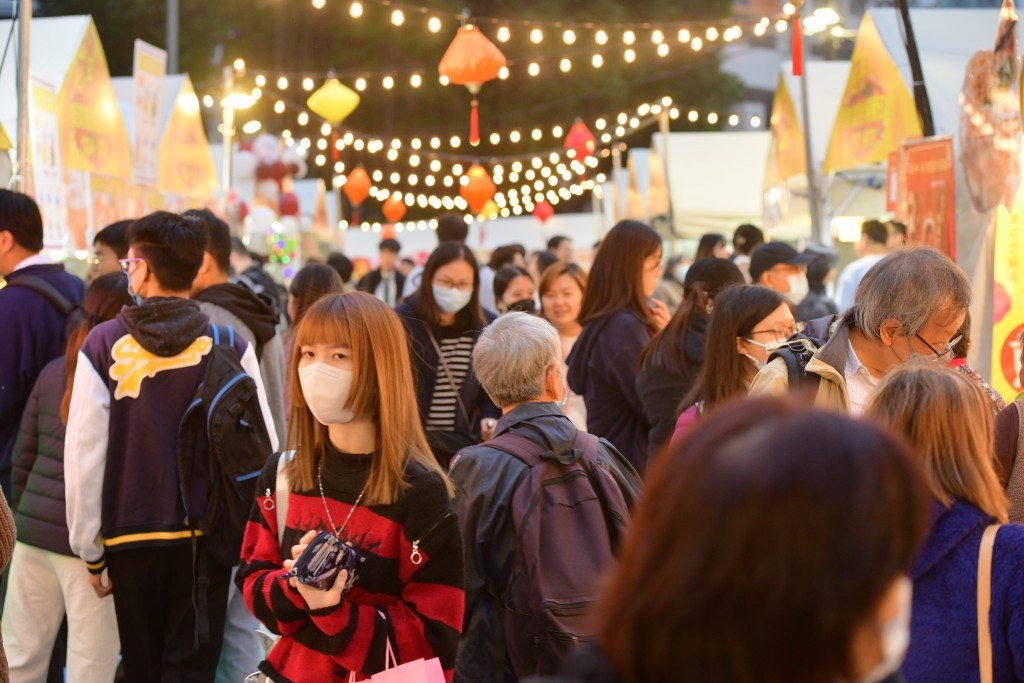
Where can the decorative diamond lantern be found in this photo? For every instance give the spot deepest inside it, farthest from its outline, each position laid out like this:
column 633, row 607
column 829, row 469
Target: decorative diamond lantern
column 471, row 60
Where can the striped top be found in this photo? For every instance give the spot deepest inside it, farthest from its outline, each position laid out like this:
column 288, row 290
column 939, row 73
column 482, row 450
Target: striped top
column 444, row 405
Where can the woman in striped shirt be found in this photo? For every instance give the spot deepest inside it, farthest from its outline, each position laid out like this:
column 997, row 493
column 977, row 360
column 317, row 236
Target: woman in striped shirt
column 443, row 321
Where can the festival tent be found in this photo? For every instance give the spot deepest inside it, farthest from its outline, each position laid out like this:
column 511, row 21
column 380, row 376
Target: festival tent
column 93, row 144
column 878, row 113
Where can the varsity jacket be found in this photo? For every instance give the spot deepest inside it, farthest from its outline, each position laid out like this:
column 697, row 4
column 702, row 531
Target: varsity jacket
column 135, row 379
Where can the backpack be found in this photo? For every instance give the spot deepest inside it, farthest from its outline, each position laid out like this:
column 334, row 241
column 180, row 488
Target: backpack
column 52, row 296
column 796, row 354
column 568, row 521
column 223, row 444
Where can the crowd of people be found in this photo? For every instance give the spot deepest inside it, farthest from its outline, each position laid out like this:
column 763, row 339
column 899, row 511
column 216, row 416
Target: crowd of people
column 666, row 468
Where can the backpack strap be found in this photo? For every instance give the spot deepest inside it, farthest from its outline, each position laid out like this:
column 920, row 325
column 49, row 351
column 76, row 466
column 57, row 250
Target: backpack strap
column 223, row 336
column 796, row 369
column 519, row 447
column 45, row 290
column 282, row 486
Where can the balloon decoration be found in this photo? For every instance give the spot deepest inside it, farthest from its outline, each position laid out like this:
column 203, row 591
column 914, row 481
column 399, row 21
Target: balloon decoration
column 357, row 189
column 393, row 209
column 289, row 204
column 477, row 188
column 472, row 60
column 543, row 211
column 581, row 141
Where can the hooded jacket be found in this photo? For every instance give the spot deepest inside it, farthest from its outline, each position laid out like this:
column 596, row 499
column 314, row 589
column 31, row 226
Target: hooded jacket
column 254, row 317
column 662, row 389
column 136, row 376
column 944, row 620
column 33, row 335
column 486, row 480
column 603, row 369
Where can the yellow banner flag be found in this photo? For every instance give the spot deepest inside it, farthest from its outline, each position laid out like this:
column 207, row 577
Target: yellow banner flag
column 877, row 112
column 1008, row 299
column 790, row 155
column 186, row 167
column 5, row 142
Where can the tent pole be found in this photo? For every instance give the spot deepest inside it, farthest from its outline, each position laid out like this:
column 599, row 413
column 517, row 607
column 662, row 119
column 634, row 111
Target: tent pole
column 227, row 129
column 172, row 36
column 819, row 232
column 924, row 108
column 25, row 23
column 663, row 128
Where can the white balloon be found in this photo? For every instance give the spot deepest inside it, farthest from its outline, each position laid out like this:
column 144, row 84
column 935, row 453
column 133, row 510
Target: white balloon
column 289, row 225
column 302, row 170
column 259, row 222
column 245, row 165
column 268, row 191
column 289, row 156
column 267, row 149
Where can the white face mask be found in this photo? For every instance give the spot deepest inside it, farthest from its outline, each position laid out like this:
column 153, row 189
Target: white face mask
column 759, row 364
column 565, row 393
column 895, row 637
column 798, row 287
column 680, row 272
column 326, row 390
column 450, row 299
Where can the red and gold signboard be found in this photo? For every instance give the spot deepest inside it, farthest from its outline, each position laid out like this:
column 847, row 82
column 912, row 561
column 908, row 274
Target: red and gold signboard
column 926, row 196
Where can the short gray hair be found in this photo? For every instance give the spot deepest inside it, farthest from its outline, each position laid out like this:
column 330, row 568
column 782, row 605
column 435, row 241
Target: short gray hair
column 909, row 286
column 512, row 355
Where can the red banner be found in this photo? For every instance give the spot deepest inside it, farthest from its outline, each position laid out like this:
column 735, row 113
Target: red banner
column 927, row 200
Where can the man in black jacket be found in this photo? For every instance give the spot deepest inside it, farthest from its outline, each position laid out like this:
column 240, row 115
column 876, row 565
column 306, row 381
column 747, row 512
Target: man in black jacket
column 385, row 282
column 517, row 360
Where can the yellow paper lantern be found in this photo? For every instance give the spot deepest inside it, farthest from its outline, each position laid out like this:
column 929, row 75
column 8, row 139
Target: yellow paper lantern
column 333, row 101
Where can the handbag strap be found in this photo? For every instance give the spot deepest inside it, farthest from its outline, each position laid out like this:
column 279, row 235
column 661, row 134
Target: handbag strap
column 988, row 541
column 282, row 484
column 451, row 380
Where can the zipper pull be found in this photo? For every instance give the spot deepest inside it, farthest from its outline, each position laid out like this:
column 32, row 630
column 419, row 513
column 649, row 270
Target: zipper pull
column 416, row 557
column 268, row 502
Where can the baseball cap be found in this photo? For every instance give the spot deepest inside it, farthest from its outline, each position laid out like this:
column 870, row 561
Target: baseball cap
column 770, row 254
column 716, row 273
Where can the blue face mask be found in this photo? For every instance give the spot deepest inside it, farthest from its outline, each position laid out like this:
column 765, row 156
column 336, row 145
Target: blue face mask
column 565, row 393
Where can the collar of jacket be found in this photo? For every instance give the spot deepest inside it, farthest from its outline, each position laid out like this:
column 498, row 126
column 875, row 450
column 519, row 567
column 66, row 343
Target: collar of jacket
column 951, row 527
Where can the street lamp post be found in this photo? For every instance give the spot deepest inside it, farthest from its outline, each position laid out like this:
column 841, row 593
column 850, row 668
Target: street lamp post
column 25, row 23
column 231, row 102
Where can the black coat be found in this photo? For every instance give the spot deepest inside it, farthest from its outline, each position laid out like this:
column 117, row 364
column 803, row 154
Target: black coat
column 370, row 282
column 815, row 305
column 37, row 478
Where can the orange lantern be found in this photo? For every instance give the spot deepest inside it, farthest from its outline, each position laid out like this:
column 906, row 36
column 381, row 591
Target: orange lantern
column 357, row 189
column 471, row 60
column 543, row 211
column 581, row 141
column 393, row 209
column 477, row 188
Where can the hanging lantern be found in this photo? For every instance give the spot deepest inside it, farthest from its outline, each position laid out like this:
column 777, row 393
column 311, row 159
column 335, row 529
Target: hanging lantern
column 357, row 189
column 471, row 60
column 333, row 101
column 543, row 211
column 581, row 141
column 393, row 209
column 477, row 188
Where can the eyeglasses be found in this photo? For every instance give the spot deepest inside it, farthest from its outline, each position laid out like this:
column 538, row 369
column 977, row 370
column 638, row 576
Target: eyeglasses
column 783, row 331
column 453, row 285
column 946, row 350
column 126, row 264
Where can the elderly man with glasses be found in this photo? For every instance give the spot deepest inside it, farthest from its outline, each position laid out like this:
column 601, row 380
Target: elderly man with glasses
column 912, row 304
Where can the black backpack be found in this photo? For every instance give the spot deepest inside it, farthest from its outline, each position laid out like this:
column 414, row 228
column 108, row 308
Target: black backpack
column 53, row 297
column 797, row 354
column 223, row 444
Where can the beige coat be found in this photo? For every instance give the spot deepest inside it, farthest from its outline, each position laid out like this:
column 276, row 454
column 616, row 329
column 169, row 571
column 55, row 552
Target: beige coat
column 829, row 363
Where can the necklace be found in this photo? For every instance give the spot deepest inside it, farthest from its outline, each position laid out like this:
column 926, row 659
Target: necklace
column 320, row 482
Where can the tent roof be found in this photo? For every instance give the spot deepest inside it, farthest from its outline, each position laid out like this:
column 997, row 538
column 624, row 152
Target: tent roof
column 826, row 82
column 54, row 43
column 124, row 88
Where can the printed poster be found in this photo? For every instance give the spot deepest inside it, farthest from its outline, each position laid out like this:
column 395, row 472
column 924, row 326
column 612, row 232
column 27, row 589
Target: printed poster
column 928, row 197
column 44, row 143
column 1008, row 300
column 150, row 67
column 877, row 112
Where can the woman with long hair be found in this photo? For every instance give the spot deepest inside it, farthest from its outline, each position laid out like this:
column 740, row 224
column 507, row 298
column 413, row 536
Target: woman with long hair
column 363, row 471
column 711, row 245
column 947, row 418
column 513, row 290
column 47, row 582
column 747, row 323
column 771, row 546
column 313, row 282
column 443, row 321
column 619, row 318
column 670, row 363
column 561, row 296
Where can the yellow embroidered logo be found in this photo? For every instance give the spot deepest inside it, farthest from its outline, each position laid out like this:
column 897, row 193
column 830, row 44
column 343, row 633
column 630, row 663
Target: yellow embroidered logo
column 132, row 363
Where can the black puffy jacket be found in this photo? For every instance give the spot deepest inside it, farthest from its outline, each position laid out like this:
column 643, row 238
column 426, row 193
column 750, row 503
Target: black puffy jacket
column 37, row 478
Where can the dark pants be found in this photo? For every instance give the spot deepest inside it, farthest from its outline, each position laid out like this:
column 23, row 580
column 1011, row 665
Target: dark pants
column 156, row 619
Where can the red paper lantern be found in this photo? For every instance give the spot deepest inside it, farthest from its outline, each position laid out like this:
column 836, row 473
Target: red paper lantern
column 543, row 211
column 289, row 204
column 581, row 141
column 357, row 189
column 478, row 188
column 393, row 209
column 471, row 60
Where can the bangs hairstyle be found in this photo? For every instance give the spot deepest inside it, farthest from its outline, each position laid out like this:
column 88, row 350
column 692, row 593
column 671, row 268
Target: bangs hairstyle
column 767, row 525
column 470, row 317
column 617, row 277
column 948, row 419
column 383, row 389
column 552, row 273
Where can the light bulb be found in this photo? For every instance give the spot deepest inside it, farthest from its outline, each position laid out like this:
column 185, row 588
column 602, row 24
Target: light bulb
column 261, row 81
column 415, row 80
column 319, row 4
column 693, row 116
column 712, row 34
column 307, row 84
column 360, row 84
column 325, row 129
column 734, row 120
column 495, row 138
column 434, row 25
column 684, row 35
column 398, row 17
column 569, row 37
column 388, row 82
column 536, row 36
column 279, row 107
column 514, row 136
column 503, row 73
column 601, row 37
column 504, row 34
column 455, row 141
column 533, row 69
column 303, row 118
column 356, row 10
column 696, row 44
column 565, row 65
column 712, row 118
column 597, row 61
column 663, row 50
column 628, row 37
column 282, row 83
column 239, row 64
column 657, row 36
column 536, row 134
column 630, row 56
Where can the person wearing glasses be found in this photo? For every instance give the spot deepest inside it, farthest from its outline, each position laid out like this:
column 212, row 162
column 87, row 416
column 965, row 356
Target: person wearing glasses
column 109, row 245
column 443, row 321
column 911, row 304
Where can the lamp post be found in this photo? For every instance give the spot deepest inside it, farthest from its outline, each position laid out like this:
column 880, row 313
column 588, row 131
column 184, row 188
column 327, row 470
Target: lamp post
column 25, row 22
column 233, row 101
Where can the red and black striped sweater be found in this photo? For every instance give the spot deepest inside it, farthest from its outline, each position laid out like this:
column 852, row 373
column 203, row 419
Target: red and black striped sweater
column 422, row 603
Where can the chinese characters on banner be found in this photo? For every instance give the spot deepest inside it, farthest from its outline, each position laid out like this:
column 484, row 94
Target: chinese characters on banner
column 925, row 194
column 150, row 66
column 1007, row 299
column 44, row 142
